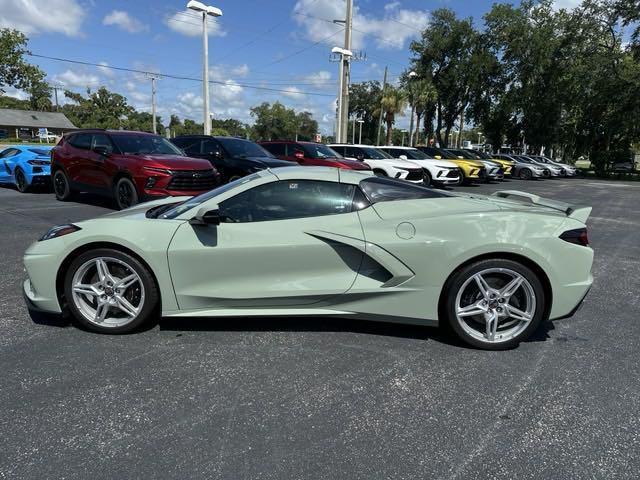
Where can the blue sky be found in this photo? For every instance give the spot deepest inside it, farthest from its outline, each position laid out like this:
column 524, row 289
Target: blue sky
column 277, row 44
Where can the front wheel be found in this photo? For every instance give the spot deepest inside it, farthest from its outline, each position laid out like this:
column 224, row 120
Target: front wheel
column 108, row 291
column 125, row 193
column 380, row 173
column 525, row 174
column 427, row 181
column 21, row 181
column 494, row 304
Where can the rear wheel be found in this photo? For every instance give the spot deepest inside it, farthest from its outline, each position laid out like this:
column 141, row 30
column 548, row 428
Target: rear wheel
column 125, row 193
column 427, row 179
column 61, row 186
column 380, row 173
column 525, row 174
column 21, row 181
column 108, row 291
column 494, row 304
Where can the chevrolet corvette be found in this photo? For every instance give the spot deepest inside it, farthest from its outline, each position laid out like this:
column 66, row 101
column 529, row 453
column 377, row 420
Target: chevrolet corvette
column 316, row 241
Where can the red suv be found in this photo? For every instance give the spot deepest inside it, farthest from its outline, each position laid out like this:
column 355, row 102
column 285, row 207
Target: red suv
column 313, row 154
column 128, row 166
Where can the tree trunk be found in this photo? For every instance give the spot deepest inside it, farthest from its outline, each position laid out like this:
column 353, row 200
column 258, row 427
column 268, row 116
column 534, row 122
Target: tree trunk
column 439, row 124
column 416, row 138
column 389, row 130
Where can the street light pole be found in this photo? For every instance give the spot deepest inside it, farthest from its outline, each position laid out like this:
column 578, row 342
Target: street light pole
column 214, row 12
column 360, row 131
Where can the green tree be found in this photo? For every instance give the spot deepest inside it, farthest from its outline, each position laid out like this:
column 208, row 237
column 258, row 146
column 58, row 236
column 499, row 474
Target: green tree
column 452, row 56
column 99, row 109
column 277, row 122
column 364, row 104
column 18, row 73
column 394, row 102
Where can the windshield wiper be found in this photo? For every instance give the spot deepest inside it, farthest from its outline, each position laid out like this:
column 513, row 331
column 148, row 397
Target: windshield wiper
column 155, row 212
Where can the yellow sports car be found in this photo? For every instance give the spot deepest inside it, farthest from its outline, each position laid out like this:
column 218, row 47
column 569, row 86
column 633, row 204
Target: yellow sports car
column 472, row 170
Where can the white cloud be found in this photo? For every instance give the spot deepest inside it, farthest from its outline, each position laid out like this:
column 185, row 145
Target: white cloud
column 229, row 93
column 189, row 23
column 240, row 70
column 105, row 70
column 16, row 93
column 294, row 93
column 72, row 79
column 389, row 31
column 567, row 4
column 40, row 16
column 321, row 79
column 124, row 21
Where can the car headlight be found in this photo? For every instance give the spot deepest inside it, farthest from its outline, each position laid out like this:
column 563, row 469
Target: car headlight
column 448, row 168
column 165, row 171
column 59, row 231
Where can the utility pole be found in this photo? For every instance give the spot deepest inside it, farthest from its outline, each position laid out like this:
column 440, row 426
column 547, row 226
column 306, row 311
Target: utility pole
column 346, row 70
column 461, row 128
column 153, row 100
column 384, row 86
column 55, row 94
column 353, row 131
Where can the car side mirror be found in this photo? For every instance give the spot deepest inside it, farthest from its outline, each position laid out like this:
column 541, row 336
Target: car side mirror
column 299, row 155
column 360, row 156
column 102, row 151
column 403, row 157
column 207, row 216
column 218, row 154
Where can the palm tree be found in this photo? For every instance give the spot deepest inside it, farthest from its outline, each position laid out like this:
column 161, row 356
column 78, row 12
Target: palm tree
column 393, row 103
column 425, row 97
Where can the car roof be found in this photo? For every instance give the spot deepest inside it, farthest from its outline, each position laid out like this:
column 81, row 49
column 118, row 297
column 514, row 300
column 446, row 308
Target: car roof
column 399, row 147
column 110, row 132
column 327, row 174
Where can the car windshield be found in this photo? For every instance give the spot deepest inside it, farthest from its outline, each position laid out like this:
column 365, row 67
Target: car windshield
column 480, row 155
column 411, row 154
column 237, row 147
column 193, row 202
column 445, row 154
column 145, row 145
column 464, row 154
column 524, row 159
column 317, row 150
column 374, row 153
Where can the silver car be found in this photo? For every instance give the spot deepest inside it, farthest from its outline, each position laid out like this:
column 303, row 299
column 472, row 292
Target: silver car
column 524, row 168
column 567, row 170
column 554, row 170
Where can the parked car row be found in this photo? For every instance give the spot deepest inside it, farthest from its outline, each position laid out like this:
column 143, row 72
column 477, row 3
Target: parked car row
column 131, row 167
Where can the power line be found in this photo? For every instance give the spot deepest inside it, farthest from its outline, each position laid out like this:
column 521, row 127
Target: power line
column 173, row 76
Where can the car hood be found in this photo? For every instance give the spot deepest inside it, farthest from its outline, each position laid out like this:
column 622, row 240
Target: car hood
column 470, row 163
column 138, row 211
column 396, row 162
column 175, row 162
column 269, row 162
column 347, row 162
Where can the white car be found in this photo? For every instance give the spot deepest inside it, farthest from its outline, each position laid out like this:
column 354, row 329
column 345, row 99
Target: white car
column 437, row 172
column 380, row 162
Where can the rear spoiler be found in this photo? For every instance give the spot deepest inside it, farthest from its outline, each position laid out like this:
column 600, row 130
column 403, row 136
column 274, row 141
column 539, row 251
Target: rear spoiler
column 578, row 212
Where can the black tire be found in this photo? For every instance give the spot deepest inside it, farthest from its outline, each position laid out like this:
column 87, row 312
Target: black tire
column 151, row 294
column 61, row 186
column 525, row 174
column 380, row 173
column 455, row 283
column 427, row 181
column 21, row 181
column 125, row 193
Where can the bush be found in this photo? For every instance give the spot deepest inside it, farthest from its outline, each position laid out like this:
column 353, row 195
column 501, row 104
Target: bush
column 603, row 160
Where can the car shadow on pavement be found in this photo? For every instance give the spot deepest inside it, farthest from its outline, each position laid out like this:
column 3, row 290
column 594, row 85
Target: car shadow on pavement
column 94, row 200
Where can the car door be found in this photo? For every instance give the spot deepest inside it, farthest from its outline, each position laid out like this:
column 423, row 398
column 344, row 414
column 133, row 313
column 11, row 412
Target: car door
column 7, row 165
column 77, row 163
column 100, row 168
column 272, row 250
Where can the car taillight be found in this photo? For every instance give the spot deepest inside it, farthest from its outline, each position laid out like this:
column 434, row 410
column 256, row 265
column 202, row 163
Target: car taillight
column 578, row 236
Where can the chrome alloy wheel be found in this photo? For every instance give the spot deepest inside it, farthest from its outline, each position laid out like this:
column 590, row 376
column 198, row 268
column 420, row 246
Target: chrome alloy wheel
column 107, row 292
column 495, row 305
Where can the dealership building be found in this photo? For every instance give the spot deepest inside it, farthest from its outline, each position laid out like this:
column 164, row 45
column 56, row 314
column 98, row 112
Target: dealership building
column 29, row 123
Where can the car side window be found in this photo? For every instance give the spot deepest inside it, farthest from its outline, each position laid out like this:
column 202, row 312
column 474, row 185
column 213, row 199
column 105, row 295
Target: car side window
column 339, row 149
column 276, row 148
column 209, row 147
column 80, row 140
column 101, row 140
column 192, row 147
column 289, row 199
column 9, row 152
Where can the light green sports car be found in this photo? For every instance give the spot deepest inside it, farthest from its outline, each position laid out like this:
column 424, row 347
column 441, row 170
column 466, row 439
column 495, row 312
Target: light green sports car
column 301, row 241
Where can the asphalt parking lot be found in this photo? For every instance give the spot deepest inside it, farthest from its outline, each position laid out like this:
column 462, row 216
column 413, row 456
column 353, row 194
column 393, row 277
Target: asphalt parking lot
column 320, row 398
